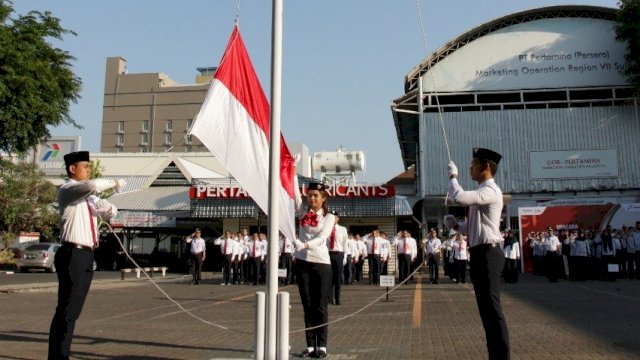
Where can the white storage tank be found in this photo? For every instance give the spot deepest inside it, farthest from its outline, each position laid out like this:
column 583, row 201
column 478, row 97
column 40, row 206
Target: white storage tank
column 337, row 162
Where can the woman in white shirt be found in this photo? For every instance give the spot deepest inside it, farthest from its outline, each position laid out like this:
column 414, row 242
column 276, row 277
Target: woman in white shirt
column 313, row 268
column 461, row 256
column 511, row 249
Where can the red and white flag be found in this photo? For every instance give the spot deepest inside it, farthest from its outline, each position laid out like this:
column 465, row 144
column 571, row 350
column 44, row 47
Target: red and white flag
column 233, row 124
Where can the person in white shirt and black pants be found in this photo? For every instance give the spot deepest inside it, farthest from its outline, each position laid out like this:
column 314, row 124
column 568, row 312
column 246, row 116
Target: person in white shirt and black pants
column 337, row 244
column 483, row 233
column 79, row 211
column 313, row 268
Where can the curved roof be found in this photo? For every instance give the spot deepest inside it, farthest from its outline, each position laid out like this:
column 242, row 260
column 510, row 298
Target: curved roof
column 560, row 11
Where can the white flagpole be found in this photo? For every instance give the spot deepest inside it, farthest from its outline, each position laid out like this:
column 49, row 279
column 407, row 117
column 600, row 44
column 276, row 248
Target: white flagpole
column 274, row 178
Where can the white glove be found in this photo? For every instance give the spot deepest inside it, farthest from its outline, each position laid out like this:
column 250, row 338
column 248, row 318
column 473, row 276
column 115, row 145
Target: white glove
column 450, row 221
column 299, row 245
column 120, row 185
column 453, row 169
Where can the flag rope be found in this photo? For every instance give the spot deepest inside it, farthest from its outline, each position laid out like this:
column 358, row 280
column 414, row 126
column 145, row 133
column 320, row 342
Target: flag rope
column 435, row 91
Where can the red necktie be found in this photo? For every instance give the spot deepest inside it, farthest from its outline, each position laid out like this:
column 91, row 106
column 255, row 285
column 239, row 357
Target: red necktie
column 373, row 246
column 225, row 246
column 460, row 247
column 93, row 228
column 404, row 247
column 332, row 241
column 254, row 248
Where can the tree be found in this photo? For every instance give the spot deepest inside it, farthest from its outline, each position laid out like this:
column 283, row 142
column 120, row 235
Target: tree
column 26, row 197
column 628, row 30
column 37, row 84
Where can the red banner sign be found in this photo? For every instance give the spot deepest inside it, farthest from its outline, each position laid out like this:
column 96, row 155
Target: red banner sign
column 350, row 191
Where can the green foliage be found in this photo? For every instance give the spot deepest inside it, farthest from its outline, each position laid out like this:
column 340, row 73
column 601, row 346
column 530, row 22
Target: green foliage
column 628, row 30
column 26, row 198
column 6, row 257
column 37, row 84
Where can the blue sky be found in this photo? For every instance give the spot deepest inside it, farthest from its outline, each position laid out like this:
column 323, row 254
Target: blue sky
column 344, row 61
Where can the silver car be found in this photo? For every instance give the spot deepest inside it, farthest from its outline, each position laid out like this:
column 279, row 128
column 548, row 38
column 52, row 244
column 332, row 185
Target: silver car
column 38, row 256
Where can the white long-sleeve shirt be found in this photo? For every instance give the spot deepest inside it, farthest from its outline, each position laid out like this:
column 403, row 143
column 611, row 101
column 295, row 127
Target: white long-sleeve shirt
column 316, row 237
column 369, row 241
column 286, row 246
column 512, row 251
column 340, row 241
column 460, row 251
column 80, row 208
column 485, row 208
column 229, row 244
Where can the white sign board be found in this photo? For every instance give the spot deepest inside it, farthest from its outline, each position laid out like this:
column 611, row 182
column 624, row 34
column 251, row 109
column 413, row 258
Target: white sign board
column 387, row 281
column 282, row 273
column 613, row 268
column 545, row 53
column 573, row 164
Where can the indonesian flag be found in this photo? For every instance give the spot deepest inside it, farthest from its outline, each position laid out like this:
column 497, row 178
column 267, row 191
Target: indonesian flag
column 233, row 124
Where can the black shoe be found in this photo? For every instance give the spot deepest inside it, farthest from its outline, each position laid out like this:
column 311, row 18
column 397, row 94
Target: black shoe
column 320, row 354
column 308, row 354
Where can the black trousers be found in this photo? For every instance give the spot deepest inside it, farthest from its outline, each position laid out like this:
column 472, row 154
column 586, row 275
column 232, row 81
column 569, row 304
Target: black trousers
column 75, row 273
column 510, row 273
column 434, row 262
column 374, row 269
column 255, row 268
column 197, row 267
column 285, row 263
column 359, row 266
column 314, row 285
column 461, row 270
column 553, row 261
column 486, row 265
column 348, row 271
column 226, row 268
column 404, row 264
column 337, row 271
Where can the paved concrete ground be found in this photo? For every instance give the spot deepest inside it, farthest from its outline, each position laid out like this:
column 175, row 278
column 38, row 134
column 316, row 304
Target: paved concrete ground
column 133, row 320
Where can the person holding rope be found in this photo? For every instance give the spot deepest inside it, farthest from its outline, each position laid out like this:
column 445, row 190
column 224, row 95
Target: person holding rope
column 313, row 268
column 79, row 211
column 483, row 230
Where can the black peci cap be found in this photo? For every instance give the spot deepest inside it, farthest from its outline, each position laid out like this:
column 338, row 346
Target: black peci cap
column 74, row 157
column 486, row 154
column 316, row 186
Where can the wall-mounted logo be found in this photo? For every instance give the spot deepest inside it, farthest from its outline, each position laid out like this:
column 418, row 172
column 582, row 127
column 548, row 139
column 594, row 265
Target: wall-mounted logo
column 53, row 153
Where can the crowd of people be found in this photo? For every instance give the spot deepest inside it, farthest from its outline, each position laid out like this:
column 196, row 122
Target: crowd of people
column 579, row 254
column 244, row 256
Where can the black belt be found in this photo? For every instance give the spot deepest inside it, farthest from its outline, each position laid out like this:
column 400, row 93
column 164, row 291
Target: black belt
column 77, row 246
column 484, row 247
column 336, row 252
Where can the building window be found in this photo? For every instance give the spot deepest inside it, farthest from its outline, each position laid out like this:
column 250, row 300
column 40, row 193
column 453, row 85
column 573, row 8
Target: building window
column 168, row 138
column 120, row 140
column 144, row 139
column 145, row 126
column 169, row 126
column 120, row 127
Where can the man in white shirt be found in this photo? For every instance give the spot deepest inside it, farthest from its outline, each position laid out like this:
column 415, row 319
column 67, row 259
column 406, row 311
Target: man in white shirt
column 286, row 251
column 337, row 243
column 635, row 235
column 373, row 242
column 407, row 252
column 483, row 235
column 228, row 249
column 79, row 212
column 432, row 247
column 361, row 256
column 385, row 250
column 553, row 257
column 199, row 254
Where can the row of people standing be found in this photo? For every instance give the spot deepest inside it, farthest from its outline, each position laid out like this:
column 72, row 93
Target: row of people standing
column 582, row 255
